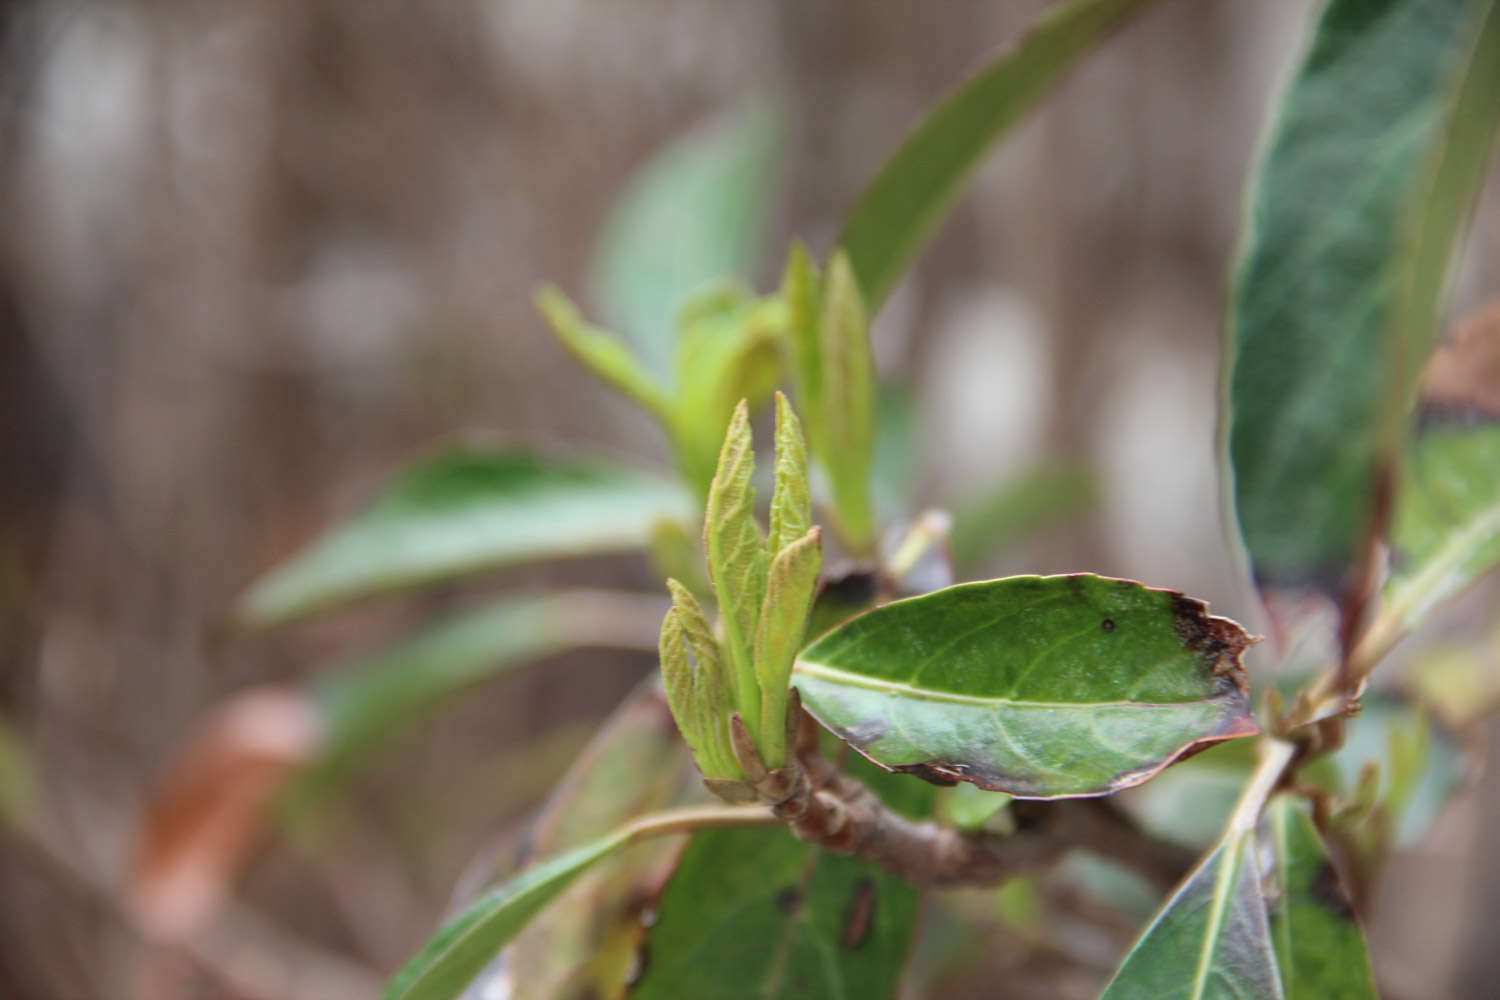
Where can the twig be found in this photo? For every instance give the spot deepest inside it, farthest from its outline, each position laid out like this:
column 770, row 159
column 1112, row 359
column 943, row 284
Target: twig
column 826, row 807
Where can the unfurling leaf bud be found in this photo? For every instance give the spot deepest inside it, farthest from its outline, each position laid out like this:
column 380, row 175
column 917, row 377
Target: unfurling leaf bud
column 736, row 559
column 790, row 586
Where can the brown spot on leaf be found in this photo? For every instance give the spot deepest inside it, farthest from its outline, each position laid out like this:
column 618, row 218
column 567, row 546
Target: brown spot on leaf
column 941, row 774
column 1107, row 624
column 1329, row 892
column 1219, row 640
column 859, row 915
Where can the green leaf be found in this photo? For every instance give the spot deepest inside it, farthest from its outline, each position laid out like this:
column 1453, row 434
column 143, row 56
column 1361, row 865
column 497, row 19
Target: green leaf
column 802, row 297
column 367, row 701
column 1211, row 940
column 467, row 943
column 1446, row 530
column 699, row 693
column 1044, row 687
column 847, row 421
column 757, row 913
column 791, row 501
column 790, row 585
column 1359, row 203
column 585, row 939
column 460, row 511
column 903, row 205
column 737, row 559
column 969, row 807
column 602, row 353
column 1019, row 508
column 1320, row 950
column 728, row 349
column 695, row 213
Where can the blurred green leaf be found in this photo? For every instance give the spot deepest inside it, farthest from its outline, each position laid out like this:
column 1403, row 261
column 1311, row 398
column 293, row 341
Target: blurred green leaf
column 846, row 425
column 15, row 773
column 969, row 807
column 1459, row 683
column 366, row 702
column 896, row 465
column 1360, row 200
column 728, row 349
column 462, row 510
column 601, row 353
column 1189, row 803
column 758, row 913
column 988, row 522
column 1043, row 687
column 1446, row 530
column 903, row 205
column 1320, row 950
column 696, row 212
column 459, row 952
column 585, row 942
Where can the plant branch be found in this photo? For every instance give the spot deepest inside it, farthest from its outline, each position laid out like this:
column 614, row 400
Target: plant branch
column 822, row 805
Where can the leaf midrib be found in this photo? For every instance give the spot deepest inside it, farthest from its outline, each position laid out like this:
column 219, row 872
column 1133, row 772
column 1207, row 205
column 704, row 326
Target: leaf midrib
column 835, row 675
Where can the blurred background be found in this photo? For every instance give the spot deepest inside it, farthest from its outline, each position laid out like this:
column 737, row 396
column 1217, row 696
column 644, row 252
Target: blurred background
column 255, row 256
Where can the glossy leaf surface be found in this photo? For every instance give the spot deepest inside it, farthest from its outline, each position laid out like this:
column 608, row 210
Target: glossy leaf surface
column 904, row 204
column 462, row 949
column 1043, row 687
column 1360, row 201
column 1211, row 940
column 1264, row 915
column 758, row 913
column 464, row 510
column 694, row 213
column 1320, row 949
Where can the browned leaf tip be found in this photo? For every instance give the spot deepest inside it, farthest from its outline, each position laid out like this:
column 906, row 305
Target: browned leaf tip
column 1221, row 641
column 208, row 812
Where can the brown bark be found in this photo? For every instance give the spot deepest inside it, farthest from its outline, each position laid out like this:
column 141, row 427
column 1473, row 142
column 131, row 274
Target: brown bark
column 822, row 805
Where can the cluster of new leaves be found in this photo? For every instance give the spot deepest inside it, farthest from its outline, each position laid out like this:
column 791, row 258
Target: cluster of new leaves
column 764, row 587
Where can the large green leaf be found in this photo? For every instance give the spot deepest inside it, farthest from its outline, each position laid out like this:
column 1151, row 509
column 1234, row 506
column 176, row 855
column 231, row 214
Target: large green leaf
column 461, row 950
column 1265, row 916
column 368, row 701
column 756, row 913
column 1044, row 687
column 903, row 205
column 1359, row 203
column 695, row 212
column 463, row 510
